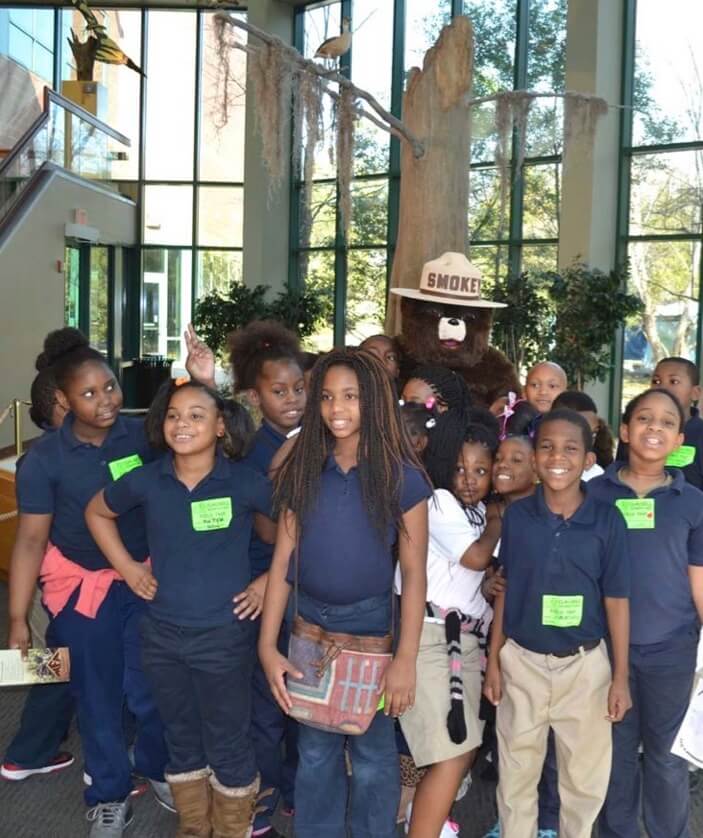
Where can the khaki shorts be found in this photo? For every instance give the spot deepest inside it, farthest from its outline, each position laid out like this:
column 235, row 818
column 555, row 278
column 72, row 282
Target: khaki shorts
column 425, row 726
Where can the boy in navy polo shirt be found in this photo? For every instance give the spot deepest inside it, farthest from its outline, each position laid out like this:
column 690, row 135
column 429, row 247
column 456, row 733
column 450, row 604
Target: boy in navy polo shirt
column 565, row 558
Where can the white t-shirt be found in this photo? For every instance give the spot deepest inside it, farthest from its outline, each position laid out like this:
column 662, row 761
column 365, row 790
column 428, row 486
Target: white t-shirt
column 450, row 584
column 594, row 471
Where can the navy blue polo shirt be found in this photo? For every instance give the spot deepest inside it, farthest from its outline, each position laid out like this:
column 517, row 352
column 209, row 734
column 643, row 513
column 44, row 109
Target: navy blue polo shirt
column 60, row 475
column 661, row 604
column 199, row 539
column 266, row 442
column 343, row 559
column 559, row 570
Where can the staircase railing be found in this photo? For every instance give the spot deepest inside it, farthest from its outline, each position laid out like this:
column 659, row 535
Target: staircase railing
column 67, row 136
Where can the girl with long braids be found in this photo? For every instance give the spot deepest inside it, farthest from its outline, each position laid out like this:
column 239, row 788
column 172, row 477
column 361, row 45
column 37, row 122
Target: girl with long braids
column 443, row 729
column 349, row 488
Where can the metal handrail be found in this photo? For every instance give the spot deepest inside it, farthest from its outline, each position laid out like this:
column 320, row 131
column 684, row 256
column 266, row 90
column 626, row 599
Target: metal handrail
column 52, row 96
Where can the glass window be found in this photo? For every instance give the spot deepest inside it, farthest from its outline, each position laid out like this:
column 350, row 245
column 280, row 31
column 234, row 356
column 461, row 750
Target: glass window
column 20, row 47
column 487, row 220
column 545, row 72
column 71, row 272
column 539, row 257
column 366, row 294
column 222, row 135
column 492, row 260
column 98, row 330
column 170, row 96
column 668, row 94
column 666, row 193
column 168, row 215
column 166, row 301
column 220, row 216
column 542, row 195
column 317, row 215
column 369, row 221
column 316, row 269
column 423, row 23
column 217, row 270
column 666, row 277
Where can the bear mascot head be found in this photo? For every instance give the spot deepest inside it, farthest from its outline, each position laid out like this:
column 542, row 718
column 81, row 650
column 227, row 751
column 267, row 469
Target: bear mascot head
column 447, row 322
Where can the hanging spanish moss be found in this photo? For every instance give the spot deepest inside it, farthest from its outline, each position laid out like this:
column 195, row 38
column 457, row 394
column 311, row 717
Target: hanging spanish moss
column 308, row 126
column 223, row 102
column 511, row 114
column 581, row 115
column 270, row 75
column 345, row 154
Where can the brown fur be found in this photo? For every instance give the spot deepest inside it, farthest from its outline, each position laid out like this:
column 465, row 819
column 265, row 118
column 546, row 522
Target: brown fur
column 487, row 372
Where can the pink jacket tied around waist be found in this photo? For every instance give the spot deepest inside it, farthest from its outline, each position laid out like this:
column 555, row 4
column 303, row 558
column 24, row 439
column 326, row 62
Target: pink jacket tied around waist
column 60, row 577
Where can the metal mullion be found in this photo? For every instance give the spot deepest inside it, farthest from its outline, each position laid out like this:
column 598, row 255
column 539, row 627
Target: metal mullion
column 397, row 79
column 58, row 49
column 340, row 255
column 133, row 340
column 517, row 189
column 623, row 203
column 295, row 284
column 664, row 237
column 637, row 150
column 542, row 160
column 457, row 8
column 196, row 158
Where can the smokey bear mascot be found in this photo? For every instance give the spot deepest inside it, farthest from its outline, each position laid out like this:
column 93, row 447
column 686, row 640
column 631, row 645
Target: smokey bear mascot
column 447, row 322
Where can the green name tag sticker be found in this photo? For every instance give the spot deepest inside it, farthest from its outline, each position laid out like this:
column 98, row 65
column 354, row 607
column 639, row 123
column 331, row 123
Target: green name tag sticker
column 682, row 457
column 215, row 514
column 562, row 611
column 381, row 703
column 638, row 513
column 124, row 465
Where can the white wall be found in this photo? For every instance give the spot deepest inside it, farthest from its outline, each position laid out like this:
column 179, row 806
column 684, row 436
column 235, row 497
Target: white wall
column 31, row 285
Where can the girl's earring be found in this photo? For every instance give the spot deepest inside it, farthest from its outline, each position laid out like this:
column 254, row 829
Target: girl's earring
column 220, row 434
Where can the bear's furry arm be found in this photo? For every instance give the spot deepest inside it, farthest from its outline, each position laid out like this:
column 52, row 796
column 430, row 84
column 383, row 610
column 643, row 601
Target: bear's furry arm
column 494, row 376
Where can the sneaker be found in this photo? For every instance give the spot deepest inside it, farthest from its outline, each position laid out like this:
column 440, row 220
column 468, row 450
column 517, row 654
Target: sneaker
column 547, row 833
column 110, row 819
column 11, row 771
column 494, row 832
column 139, row 784
column 162, row 793
column 450, row 829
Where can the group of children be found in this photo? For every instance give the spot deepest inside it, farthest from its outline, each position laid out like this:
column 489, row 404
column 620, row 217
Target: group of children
column 527, row 567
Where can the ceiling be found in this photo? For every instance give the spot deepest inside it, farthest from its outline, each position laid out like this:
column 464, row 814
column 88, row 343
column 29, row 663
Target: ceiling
column 186, row 4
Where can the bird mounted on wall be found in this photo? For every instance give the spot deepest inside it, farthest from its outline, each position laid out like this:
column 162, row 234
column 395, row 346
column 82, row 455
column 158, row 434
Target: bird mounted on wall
column 333, row 48
column 98, row 46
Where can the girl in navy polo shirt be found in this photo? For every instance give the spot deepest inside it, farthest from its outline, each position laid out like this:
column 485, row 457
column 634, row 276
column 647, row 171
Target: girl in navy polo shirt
column 664, row 518
column 349, row 488
column 93, row 612
column 267, row 366
column 200, row 507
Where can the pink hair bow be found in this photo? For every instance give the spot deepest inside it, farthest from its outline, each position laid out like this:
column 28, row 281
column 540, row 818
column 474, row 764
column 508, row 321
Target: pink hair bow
column 508, row 411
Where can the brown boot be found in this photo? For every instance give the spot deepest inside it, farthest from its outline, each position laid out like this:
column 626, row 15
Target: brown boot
column 191, row 794
column 232, row 813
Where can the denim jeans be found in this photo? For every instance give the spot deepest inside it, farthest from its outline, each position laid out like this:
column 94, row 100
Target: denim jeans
column 275, row 738
column 661, row 679
column 323, row 793
column 201, row 679
column 106, row 672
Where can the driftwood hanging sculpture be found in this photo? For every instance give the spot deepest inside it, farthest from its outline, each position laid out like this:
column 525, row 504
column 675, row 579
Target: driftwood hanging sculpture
column 435, row 130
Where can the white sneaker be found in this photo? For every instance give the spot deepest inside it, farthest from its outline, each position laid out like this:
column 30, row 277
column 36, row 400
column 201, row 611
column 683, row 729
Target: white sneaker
column 110, row 819
column 450, row 829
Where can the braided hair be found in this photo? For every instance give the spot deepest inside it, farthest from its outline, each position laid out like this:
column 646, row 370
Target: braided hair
column 258, row 342
column 384, row 445
column 449, row 387
column 452, row 430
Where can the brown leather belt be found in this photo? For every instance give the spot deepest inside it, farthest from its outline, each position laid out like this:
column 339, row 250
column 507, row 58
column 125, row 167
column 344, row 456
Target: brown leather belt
column 569, row 653
column 348, row 642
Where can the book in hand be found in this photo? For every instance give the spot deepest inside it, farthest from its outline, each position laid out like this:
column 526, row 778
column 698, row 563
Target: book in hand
column 41, row 666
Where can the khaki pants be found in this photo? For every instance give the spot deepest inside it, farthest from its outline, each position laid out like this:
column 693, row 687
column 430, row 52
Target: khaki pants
column 571, row 696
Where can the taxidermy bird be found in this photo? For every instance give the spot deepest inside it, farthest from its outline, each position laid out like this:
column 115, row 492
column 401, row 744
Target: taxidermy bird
column 98, row 47
column 337, row 46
